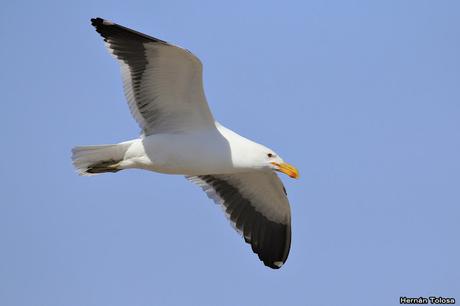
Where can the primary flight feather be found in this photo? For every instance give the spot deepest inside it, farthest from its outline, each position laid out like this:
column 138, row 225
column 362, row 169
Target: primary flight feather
column 164, row 88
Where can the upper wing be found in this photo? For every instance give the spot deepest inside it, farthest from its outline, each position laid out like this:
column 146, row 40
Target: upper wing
column 163, row 83
column 257, row 205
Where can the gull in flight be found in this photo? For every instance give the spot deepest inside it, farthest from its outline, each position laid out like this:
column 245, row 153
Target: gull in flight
column 164, row 89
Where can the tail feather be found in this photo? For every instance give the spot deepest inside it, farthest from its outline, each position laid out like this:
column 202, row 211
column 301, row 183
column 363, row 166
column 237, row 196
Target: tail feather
column 92, row 160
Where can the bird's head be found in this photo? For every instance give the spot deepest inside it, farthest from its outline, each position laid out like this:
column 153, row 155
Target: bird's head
column 278, row 164
column 254, row 155
column 267, row 158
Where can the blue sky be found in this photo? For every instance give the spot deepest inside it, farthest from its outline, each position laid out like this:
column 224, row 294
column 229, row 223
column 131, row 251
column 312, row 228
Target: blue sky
column 362, row 96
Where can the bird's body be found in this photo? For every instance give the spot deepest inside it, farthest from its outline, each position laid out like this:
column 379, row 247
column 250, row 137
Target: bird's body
column 163, row 86
column 184, row 153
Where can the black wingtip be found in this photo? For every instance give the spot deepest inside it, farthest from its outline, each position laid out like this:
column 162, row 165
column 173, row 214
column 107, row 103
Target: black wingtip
column 108, row 29
column 273, row 265
column 97, row 22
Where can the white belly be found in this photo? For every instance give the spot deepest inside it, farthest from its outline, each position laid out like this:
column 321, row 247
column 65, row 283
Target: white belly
column 186, row 154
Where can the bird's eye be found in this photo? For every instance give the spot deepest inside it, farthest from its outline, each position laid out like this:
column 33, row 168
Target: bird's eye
column 270, row 155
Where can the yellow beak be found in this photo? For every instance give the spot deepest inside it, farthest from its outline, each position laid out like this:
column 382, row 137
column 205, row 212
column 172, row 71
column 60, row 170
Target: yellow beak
column 287, row 169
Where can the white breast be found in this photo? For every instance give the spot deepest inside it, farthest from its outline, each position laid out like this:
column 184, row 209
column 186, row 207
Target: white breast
column 190, row 153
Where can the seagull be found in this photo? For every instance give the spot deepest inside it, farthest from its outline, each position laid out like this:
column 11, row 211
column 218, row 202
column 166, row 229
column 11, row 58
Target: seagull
column 163, row 85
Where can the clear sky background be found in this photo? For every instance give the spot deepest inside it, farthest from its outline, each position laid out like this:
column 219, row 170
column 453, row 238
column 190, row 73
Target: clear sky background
column 362, row 96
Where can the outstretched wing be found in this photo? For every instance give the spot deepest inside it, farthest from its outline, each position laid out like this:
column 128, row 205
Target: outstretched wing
column 162, row 83
column 257, row 205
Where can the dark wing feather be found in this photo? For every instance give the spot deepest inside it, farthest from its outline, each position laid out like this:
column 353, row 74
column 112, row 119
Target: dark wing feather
column 162, row 82
column 257, row 207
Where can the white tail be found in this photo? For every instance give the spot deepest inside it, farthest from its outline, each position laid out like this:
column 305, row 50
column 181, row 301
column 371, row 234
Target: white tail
column 92, row 160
